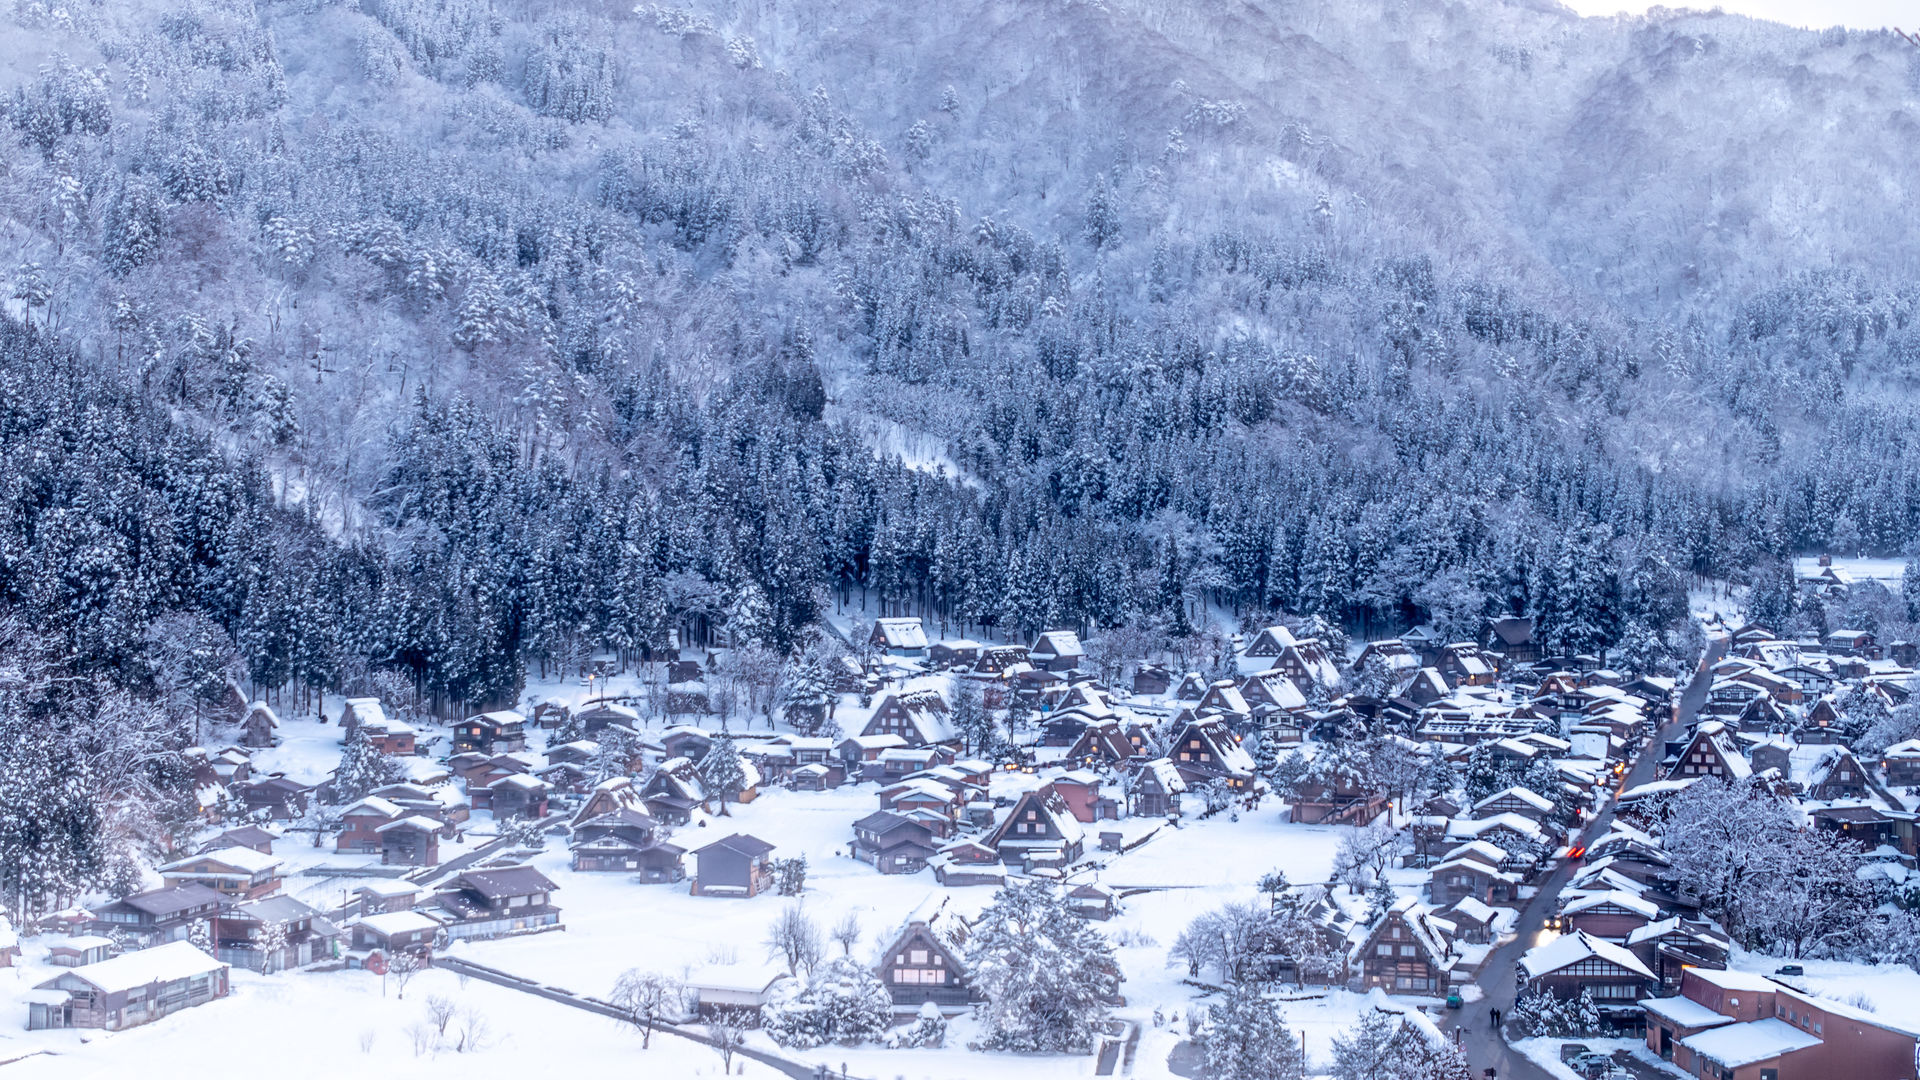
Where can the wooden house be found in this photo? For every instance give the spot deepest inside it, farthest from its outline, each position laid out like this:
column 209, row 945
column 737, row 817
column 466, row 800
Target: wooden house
column 598, row 716
column 1102, row 743
column 360, row 824
column 236, row 873
column 405, row 931
column 498, row 732
column 1080, row 790
column 1151, row 680
column 1270, row 691
column 1038, row 831
column 968, row 862
column 1513, row 638
column 894, row 843
column 129, row 990
column 260, row 728
column 738, row 865
column 1155, row 789
column 1269, row 643
column 412, row 840
column 1057, row 650
column 158, row 915
column 918, row 967
column 1613, row 915
column 942, row 655
column 1308, row 665
column 1579, row 961
column 1469, row 875
column 1406, row 952
column 626, row 840
column 246, row 836
column 1859, row 643
column 497, row 902
column 899, row 637
column 274, row 797
column 1837, row 775
column 278, row 933
column 1001, row 660
column 80, row 950
column 1710, row 753
column 1206, row 750
column 1902, row 762
column 516, row 796
column 918, row 717
column 1467, row 664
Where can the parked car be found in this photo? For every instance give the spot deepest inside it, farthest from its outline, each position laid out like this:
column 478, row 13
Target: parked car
column 1790, row 969
column 1591, row 1064
column 1569, row 1051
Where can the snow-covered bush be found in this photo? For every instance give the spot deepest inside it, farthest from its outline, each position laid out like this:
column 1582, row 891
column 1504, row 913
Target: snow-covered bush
column 840, row 1002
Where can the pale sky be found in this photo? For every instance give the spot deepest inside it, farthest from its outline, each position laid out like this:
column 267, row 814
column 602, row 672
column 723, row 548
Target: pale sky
column 1863, row 14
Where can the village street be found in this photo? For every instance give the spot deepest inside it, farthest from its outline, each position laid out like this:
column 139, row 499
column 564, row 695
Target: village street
column 1473, row 1022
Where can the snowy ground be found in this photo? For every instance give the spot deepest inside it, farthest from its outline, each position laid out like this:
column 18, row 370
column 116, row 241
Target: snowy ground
column 303, row 1025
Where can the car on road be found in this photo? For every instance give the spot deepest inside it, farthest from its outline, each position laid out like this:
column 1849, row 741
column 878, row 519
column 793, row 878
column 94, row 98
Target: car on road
column 1790, row 969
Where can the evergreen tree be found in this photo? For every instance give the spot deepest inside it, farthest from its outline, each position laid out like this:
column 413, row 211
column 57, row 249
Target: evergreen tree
column 1045, row 973
column 723, row 776
column 1246, row 1038
column 362, row 768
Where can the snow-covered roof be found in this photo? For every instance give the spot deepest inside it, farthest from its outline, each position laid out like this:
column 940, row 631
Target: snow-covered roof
column 1459, row 828
column 411, row 823
column 1735, row 980
column 367, row 710
column 1166, row 775
column 161, row 964
column 389, row 923
column 243, row 859
column 81, row 942
column 901, row 633
column 1910, row 748
column 9, row 938
column 1058, row 643
column 1537, row 801
column 1736, row 1045
column 1636, row 904
column 1572, row 948
column 1685, row 1012
column 374, row 804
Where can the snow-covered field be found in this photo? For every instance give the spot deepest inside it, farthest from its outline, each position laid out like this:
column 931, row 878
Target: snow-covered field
column 313, row 1025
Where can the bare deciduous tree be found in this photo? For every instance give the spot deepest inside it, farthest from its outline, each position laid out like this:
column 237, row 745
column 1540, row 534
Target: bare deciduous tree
column 795, row 939
column 649, row 999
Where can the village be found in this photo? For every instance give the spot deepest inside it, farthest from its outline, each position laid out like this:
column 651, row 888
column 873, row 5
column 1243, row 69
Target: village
column 1472, row 844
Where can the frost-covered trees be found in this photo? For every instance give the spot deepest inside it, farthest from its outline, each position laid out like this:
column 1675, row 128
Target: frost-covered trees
column 1744, row 853
column 1384, row 1047
column 648, row 998
column 1245, row 1037
column 723, row 776
column 362, row 768
column 1045, row 972
column 839, row 1001
column 795, row 939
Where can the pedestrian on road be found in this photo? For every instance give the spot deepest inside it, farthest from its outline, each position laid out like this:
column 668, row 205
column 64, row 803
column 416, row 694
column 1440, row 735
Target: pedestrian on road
column 1496, row 1019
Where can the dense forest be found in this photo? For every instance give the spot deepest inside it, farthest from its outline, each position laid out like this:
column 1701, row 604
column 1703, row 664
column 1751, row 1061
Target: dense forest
column 459, row 338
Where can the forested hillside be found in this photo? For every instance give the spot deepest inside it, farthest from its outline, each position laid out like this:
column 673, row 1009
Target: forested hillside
column 453, row 337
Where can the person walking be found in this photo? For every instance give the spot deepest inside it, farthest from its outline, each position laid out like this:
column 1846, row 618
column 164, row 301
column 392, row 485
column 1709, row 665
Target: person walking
column 1496, row 1019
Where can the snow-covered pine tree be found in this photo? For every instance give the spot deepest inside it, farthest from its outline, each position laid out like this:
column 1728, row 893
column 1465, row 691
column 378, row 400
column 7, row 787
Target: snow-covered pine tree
column 722, row 774
column 1045, row 973
column 362, row 768
column 1246, row 1038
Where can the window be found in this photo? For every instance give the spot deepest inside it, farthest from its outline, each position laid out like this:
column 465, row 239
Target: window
column 1406, row 950
column 919, row 956
column 1385, row 950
